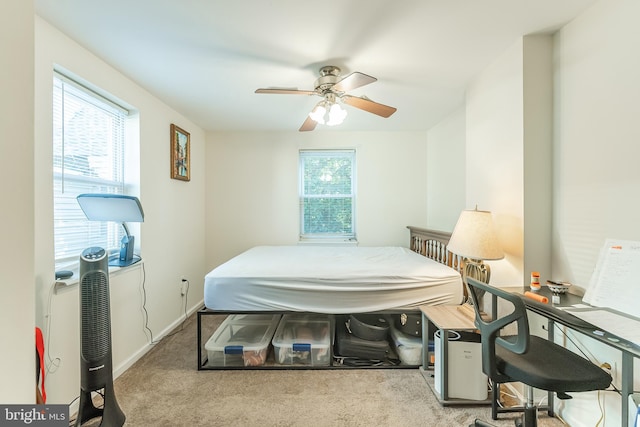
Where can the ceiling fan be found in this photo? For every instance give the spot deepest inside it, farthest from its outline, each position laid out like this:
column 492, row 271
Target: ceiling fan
column 333, row 88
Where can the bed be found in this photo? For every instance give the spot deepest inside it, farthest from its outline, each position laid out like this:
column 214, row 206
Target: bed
column 336, row 280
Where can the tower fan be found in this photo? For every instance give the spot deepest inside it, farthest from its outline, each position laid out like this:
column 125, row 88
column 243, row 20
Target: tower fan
column 96, row 370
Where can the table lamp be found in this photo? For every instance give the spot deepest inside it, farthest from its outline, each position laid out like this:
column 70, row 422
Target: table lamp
column 117, row 208
column 474, row 238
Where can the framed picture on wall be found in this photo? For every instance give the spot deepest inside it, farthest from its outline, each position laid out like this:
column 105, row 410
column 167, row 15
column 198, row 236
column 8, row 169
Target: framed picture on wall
column 180, row 156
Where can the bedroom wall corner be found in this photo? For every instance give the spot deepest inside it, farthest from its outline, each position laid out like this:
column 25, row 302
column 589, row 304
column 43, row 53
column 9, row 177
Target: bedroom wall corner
column 537, row 157
column 508, row 156
column 446, row 171
column 17, row 308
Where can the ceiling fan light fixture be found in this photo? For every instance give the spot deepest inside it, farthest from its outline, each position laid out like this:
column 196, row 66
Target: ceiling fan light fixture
column 318, row 113
column 336, row 115
column 328, row 113
column 333, row 88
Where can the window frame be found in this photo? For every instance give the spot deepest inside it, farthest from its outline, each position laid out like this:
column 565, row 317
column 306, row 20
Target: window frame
column 104, row 232
column 306, row 237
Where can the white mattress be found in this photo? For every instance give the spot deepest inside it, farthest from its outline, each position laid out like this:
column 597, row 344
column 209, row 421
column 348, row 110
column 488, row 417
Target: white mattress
column 330, row 280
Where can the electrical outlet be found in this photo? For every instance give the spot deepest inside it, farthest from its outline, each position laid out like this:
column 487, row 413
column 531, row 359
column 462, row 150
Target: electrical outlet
column 607, row 367
column 615, row 371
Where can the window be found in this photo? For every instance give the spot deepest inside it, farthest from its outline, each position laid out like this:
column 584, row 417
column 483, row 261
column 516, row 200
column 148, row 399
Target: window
column 327, row 194
column 88, row 157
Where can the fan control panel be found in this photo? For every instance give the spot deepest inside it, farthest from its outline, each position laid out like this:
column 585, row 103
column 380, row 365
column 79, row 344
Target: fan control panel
column 93, row 253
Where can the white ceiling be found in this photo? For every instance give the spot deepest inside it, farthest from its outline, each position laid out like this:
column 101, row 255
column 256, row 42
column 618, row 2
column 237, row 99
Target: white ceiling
column 205, row 58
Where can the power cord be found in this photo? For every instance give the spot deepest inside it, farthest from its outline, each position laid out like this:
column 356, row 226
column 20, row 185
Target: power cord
column 592, row 358
column 146, row 329
column 72, row 422
column 602, row 409
column 54, row 364
column 144, row 307
column 185, row 294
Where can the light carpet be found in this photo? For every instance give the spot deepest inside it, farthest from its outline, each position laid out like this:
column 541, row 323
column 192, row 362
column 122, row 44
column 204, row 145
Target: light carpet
column 164, row 388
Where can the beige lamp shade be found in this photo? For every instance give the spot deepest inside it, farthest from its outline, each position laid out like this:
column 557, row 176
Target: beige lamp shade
column 475, row 237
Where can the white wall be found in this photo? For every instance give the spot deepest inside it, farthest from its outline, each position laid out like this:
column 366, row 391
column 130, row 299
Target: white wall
column 494, row 157
column 596, row 152
column 596, row 147
column 446, row 171
column 252, row 187
column 17, row 358
column 508, row 156
column 172, row 235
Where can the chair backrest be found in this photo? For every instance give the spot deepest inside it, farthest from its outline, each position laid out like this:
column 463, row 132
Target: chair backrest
column 490, row 328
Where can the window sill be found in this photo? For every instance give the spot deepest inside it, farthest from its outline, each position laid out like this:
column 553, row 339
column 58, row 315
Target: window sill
column 328, row 242
column 61, row 284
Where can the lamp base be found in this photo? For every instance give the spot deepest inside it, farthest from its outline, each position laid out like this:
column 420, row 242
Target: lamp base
column 116, row 262
column 478, row 270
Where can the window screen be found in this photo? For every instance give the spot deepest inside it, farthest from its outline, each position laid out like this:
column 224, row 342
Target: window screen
column 88, row 157
column 327, row 194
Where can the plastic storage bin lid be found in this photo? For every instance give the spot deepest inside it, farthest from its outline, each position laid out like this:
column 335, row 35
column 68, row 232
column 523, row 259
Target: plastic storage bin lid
column 238, row 333
column 303, row 332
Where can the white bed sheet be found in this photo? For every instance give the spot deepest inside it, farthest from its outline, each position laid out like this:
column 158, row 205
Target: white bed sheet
column 330, row 280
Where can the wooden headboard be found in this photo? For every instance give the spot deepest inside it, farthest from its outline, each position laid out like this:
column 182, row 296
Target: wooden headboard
column 433, row 244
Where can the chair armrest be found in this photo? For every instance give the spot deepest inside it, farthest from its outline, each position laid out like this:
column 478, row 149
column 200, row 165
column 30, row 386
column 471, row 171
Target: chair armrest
column 490, row 329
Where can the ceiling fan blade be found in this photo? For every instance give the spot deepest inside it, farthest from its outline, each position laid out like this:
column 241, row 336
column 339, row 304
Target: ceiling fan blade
column 369, row 105
column 308, row 125
column 286, row 91
column 352, row 81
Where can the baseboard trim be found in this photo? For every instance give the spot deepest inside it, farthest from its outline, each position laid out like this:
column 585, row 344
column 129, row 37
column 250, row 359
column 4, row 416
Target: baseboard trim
column 122, row 367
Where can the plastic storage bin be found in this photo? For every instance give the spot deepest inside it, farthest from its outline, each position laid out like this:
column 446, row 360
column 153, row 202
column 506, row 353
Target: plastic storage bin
column 408, row 347
column 303, row 339
column 242, row 340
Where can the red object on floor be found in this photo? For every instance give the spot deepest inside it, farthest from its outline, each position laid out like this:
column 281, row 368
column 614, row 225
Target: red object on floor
column 40, row 350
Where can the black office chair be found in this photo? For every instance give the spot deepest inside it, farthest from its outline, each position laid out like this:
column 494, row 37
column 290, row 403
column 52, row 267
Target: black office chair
column 529, row 359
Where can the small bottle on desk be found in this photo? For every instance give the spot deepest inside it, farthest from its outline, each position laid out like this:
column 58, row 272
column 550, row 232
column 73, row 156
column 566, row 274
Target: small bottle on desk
column 535, row 281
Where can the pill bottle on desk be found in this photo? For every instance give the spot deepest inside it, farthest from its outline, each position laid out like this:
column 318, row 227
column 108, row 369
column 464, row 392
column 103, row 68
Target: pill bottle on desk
column 535, row 281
